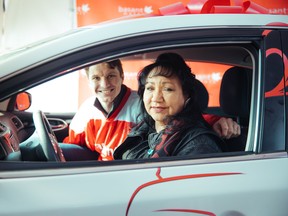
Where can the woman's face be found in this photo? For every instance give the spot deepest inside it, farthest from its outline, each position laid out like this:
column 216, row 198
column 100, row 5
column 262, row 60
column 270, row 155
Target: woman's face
column 162, row 97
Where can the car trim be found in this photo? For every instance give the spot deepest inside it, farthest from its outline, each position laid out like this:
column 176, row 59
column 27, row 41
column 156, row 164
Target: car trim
column 68, row 169
column 104, row 31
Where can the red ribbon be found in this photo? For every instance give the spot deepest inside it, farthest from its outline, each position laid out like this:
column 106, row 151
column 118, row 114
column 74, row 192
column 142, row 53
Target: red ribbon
column 213, row 6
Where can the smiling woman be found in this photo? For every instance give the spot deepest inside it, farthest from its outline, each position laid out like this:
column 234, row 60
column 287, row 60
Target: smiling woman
column 173, row 124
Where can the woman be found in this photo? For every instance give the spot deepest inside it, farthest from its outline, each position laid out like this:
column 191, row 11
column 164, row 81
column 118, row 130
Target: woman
column 173, row 124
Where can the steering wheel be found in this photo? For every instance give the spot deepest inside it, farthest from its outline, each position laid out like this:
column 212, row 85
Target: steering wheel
column 47, row 138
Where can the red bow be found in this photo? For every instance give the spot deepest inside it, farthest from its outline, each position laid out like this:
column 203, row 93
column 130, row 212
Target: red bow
column 213, row 6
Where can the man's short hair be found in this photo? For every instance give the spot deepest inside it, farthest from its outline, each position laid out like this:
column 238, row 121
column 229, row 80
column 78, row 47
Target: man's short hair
column 112, row 64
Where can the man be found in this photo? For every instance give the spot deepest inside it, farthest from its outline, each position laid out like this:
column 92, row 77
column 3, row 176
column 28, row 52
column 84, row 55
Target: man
column 104, row 120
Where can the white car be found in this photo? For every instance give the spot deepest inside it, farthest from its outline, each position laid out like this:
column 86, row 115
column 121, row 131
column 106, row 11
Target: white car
column 242, row 61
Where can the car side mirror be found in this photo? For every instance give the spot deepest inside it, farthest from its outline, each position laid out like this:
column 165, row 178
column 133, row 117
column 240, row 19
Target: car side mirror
column 23, row 101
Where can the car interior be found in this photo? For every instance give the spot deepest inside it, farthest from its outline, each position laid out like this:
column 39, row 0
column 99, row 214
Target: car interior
column 224, row 88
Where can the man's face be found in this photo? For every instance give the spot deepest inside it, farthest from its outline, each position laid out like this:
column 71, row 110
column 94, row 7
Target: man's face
column 106, row 83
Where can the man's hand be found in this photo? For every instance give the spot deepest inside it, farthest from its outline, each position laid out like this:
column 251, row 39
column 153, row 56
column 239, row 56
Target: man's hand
column 226, row 128
column 105, row 152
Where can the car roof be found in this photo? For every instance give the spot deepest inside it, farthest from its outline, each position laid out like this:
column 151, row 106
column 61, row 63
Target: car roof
column 87, row 36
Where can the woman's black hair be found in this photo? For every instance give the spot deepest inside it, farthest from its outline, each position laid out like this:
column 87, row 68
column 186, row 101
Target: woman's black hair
column 172, row 65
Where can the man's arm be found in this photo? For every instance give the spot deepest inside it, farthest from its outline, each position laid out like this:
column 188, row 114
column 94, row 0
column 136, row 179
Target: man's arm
column 225, row 127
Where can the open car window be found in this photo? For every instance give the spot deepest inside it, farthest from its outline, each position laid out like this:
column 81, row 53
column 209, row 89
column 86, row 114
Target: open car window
column 227, row 80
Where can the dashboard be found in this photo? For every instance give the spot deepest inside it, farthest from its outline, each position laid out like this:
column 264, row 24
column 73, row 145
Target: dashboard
column 12, row 133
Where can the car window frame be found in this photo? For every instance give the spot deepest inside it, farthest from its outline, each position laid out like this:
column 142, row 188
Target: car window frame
column 95, row 54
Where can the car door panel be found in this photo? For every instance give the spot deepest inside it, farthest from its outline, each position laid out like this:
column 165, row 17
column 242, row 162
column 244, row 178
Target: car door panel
column 202, row 189
column 274, row 85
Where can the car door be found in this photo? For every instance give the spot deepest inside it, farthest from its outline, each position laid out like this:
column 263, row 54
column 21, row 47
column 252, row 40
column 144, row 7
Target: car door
column 244, row 185
column 253, row 182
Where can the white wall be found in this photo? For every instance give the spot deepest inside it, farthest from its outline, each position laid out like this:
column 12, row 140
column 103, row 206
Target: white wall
column 26, row 21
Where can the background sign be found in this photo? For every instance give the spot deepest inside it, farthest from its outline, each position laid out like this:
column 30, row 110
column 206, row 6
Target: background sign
column 92, row 11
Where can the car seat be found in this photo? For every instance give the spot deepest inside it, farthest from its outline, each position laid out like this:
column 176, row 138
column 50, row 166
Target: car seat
column 235, row 100
column 202, row 96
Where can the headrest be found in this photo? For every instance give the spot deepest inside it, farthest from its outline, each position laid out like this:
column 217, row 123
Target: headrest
column 202, row 95
column 235, row 91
